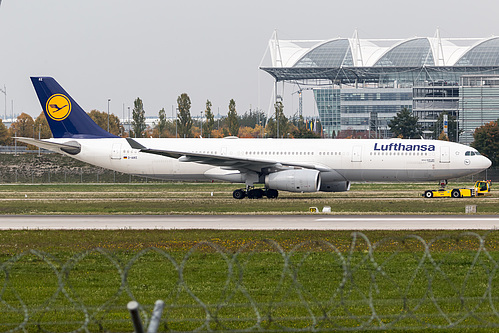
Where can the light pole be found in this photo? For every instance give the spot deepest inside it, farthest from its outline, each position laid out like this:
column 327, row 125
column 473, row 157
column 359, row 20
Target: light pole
column 108, row 100
column 39, row 135
column 5, row 93
column 201, row 123
column 176, row 123
column 129, row 125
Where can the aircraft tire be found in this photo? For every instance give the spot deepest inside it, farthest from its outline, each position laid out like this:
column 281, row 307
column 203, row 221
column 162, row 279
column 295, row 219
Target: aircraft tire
column 271, row 194
column 428, row 194
column 455, row 194
column 239, row 194
column 255, row 194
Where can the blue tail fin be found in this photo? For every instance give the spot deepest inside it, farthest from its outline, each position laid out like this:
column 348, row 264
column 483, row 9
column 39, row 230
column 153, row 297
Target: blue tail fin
column 65, row 117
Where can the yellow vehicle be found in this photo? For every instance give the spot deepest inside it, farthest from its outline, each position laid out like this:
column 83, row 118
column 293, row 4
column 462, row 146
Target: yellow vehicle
column 481, row 188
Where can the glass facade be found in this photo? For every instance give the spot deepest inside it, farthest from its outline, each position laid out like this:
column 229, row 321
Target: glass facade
column 479, row 104
column 431, row 100
column 328, row 104
column 364, row 111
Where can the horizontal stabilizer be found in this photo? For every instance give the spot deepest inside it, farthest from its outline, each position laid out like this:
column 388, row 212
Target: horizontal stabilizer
column 70, row 147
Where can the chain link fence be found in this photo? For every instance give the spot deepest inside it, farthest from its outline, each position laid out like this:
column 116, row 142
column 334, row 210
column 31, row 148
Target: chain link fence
column 29, row 167
column 73, row 175
column 399, row 283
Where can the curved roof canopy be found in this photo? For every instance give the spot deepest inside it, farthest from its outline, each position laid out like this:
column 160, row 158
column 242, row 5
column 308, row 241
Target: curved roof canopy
column 335, row 53
column 484, row 54
column 413, row 52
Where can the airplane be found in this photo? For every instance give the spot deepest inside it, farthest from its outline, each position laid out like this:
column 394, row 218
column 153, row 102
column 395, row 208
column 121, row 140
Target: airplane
column 294, row 165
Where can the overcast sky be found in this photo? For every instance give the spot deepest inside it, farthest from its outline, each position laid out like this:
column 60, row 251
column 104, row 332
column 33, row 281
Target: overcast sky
column 158, row 49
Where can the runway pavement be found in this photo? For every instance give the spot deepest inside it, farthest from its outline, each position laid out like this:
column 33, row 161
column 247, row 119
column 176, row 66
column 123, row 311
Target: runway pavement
column 249, row 222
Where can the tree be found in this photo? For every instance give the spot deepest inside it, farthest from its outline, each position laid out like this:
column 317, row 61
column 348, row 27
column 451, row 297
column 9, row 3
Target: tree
column 252, row 118
column 184, row 120
column 301, row 131
column 486, row 141
column 443, row 136
column 139, row 118
column 437, row 128
column 42, row 127
column 210, row 119
column 405, row 125
column 161, row 125
column 233, row 119
column 23, row 126
column 282, row 129
column 100, row 119
column 4, row 134
column 250, row 132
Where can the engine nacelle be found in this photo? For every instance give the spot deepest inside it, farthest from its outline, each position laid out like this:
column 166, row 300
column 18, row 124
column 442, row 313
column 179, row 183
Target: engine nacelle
column 301, row 180
column 335, row 186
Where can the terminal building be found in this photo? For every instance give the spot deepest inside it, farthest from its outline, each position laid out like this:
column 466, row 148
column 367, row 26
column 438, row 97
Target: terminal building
column 359, row 85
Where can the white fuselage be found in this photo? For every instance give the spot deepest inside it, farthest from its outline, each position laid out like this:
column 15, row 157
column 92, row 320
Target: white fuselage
column 348, row 159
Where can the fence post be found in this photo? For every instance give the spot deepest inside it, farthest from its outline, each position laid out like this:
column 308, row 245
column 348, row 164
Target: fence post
column 156, row 316
column 133, row 307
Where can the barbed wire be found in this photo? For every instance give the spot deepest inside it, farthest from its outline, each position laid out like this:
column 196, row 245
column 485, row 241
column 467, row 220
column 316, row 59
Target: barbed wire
column 395, row 283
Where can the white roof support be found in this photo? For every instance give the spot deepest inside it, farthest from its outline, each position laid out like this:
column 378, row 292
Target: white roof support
column 356, row 50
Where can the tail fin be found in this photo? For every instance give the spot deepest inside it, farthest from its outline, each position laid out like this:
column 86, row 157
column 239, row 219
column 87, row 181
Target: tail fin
column 65, row 117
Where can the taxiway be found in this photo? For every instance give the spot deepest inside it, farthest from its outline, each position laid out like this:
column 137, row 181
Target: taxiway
column 249, row 222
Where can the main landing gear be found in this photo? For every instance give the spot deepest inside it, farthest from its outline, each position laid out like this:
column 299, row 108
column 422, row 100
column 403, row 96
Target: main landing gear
column 255, row 193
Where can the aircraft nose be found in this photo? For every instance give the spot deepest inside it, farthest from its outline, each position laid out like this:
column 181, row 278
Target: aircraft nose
column 486, row 162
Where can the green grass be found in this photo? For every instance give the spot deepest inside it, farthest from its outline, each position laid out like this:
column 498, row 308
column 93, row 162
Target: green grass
column 216, row 198
column 288, row 282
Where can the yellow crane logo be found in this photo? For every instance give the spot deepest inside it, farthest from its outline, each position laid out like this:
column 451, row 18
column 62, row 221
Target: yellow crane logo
column 58, row 107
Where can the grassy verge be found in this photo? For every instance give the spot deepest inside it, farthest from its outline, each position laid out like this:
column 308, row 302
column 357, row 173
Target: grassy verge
column 216, row 198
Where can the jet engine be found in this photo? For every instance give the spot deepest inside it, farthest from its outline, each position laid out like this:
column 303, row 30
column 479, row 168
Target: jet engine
column 299, row 180
column 335, row 186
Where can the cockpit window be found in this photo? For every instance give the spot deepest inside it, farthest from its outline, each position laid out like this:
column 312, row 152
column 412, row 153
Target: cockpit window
column 472, row 153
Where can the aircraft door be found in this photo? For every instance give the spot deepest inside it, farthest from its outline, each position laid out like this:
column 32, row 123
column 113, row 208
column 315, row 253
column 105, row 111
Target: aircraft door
column 116, row 151
column 357, row 154
column 444, row 154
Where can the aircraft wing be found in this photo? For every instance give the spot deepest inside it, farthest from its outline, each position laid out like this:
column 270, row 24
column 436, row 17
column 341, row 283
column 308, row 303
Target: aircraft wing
column 226, row 162
column 70, row 147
